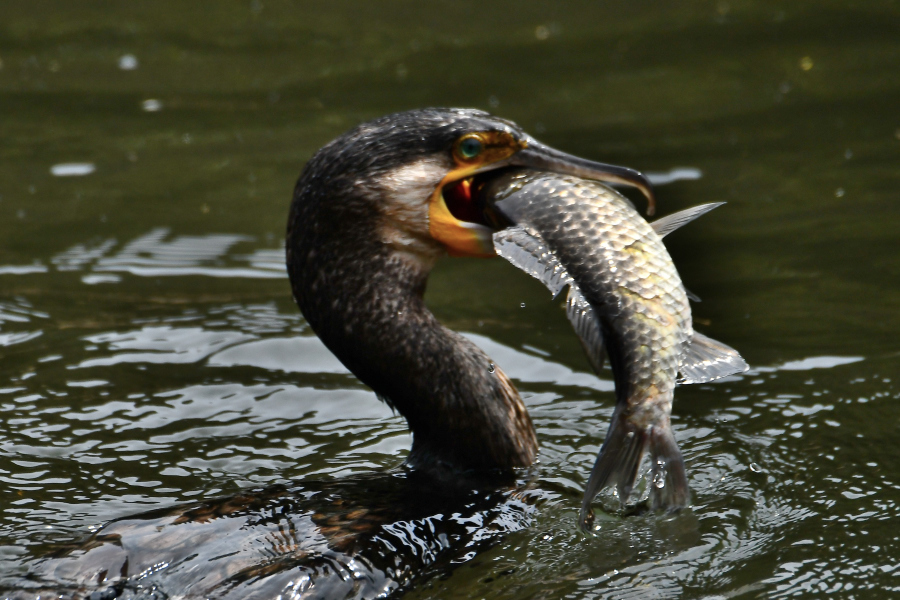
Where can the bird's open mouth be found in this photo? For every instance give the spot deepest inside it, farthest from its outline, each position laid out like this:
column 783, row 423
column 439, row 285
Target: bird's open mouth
column 460, row 220
column 459, row 212
column 463, row 201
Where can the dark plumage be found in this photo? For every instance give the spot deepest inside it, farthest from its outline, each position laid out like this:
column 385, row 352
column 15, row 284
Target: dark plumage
column 364, row 296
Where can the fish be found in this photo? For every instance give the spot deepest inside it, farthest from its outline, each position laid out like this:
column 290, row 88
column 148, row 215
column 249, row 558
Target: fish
column 627, row 304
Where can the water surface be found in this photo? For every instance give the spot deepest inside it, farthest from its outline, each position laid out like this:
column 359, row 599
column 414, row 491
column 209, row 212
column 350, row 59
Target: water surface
column 150, row 353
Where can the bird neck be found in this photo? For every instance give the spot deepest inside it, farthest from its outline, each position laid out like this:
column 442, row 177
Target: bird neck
column 365, row 301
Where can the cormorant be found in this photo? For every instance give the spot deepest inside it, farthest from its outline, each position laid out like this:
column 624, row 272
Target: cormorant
column 372, row 212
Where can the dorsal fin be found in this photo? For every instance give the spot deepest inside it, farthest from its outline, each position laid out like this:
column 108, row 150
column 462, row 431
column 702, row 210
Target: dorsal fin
column 705, row 359
column 529, row 252
column 670, row 223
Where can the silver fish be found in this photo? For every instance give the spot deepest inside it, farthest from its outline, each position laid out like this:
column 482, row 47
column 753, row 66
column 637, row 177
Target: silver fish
column 625, row 301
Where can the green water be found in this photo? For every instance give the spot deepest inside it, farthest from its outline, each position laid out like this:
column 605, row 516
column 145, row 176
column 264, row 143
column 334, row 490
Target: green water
column 150, row 352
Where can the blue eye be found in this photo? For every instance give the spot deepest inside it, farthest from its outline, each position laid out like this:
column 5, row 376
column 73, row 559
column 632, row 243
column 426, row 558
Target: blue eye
column 470, row 147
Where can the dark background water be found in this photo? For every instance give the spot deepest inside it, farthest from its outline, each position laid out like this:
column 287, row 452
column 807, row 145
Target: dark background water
column 150, row 352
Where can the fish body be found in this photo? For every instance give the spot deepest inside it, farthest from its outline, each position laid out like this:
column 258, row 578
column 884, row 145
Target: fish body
column 626, row 302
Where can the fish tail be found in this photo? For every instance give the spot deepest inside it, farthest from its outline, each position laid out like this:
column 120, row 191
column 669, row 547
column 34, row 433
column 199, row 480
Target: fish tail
column 669, row 486
column 619, row 461
column 617, row 464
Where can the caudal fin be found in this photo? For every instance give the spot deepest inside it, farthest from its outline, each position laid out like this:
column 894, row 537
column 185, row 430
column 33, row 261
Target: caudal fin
column 669, row 487
column 620, row 458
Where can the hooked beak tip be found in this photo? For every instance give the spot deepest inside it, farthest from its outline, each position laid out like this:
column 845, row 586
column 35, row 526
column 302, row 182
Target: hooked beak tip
column 537, row 155
column 651, row 199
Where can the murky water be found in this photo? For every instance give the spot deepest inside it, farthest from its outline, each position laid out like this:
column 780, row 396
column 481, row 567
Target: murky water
column 150, row 353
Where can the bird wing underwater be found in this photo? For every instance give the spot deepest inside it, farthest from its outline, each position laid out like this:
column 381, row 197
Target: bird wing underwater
column 704, row 359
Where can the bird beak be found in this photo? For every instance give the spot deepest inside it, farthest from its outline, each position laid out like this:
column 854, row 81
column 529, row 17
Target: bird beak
column 459, row 221
column 536, row 155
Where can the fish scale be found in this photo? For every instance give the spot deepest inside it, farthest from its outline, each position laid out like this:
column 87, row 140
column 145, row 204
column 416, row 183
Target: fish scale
column 629, row 271
column 626, row 300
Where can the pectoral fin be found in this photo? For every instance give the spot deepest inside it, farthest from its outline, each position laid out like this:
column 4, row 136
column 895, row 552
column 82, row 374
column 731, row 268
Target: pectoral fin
column 587, row 326
column 707, row 360
column 529, row 252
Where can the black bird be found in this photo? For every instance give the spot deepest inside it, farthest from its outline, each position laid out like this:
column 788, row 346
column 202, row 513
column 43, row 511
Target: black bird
column 371, row 213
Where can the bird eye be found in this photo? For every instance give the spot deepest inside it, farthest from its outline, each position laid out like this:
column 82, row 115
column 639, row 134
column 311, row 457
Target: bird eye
column 470, row 147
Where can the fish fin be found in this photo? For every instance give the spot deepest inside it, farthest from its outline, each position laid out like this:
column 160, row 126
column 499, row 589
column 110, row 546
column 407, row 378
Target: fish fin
column 619, row 461
column 705, row 359
column 670, row 223
column 587, row 326
column 668, row 487
column 692, row 296
column 617, row 464
column 528, row 251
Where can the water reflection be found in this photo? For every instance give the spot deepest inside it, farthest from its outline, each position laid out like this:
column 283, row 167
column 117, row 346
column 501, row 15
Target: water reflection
column 72, row 169
column 35, row 267
column 161, row 345
column 19, row 314
column 150, row 255
column 154, row 255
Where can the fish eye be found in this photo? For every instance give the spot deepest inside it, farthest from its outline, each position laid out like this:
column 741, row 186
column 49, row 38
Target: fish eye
column 469, row 147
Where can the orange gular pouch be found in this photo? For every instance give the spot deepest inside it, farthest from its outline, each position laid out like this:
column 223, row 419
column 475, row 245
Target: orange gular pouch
column 457, row 220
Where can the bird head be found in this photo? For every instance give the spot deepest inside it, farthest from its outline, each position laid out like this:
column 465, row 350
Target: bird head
column 419, row 169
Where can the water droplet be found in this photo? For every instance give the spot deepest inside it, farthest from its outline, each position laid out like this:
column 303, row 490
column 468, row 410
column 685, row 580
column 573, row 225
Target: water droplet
column 72, row 169
column 755, row 468
column 522, row 305
column 490, row 367
column 151, row 105
column 839, row 193
column 128, row 62
column 659, row 479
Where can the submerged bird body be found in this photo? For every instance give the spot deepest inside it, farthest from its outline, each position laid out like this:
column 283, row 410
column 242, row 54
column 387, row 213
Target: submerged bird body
column 360, row 536
column 626, row 301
